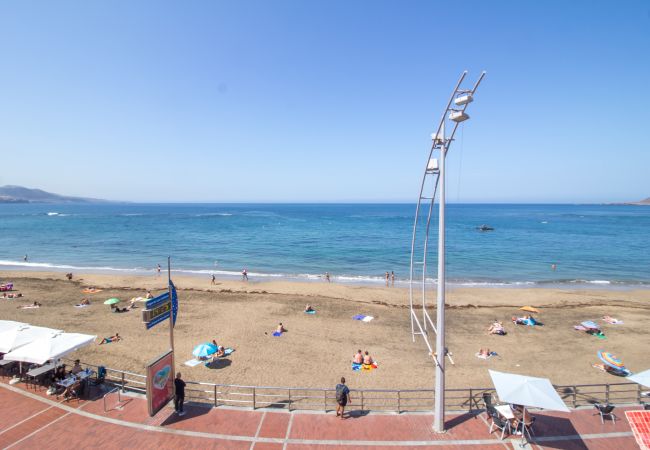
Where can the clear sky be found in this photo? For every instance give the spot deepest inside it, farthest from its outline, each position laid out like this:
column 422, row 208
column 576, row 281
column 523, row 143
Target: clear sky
column 323, row 100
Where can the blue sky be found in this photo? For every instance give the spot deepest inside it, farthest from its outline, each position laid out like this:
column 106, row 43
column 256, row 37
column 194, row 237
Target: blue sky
column 324, row 101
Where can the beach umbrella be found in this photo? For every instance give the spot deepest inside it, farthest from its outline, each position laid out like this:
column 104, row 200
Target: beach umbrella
column 203, row 350
column 590, row 324
column 642, row 378
column 6, row 325
column 611, row 360
column 527, row 391
column 529, row 309
column 112, row 301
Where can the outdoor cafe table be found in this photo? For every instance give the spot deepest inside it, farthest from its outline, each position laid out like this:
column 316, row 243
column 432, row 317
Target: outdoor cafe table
column 72, row 379
column 505, row 411
column 39, row 371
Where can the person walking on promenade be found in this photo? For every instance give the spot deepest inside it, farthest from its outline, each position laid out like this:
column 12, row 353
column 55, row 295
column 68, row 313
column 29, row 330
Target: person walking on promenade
column 179, row 386
column 342, row 397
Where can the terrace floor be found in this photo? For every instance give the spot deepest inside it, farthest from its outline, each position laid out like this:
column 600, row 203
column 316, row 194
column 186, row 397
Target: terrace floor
column 30, row 419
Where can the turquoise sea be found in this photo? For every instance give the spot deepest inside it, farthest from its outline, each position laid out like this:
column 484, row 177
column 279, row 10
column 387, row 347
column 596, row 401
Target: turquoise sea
column 590, row 244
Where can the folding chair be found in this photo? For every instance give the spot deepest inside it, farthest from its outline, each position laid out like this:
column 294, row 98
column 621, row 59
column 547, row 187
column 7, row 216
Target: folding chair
column 605, row 410
column 503, row 425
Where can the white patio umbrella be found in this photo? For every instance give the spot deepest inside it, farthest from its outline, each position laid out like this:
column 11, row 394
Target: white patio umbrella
column 8, row 324
column 527, row 391
column 51, row 347
column 642, row 378
column 14, row 337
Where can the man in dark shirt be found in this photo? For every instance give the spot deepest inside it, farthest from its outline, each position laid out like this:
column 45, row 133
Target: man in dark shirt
column 179, row 385
column 342, row 397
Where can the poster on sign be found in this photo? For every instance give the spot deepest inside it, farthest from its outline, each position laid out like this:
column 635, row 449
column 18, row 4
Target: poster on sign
column 160, row 382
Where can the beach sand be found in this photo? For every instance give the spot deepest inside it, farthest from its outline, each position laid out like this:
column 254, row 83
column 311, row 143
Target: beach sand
column 317, row 349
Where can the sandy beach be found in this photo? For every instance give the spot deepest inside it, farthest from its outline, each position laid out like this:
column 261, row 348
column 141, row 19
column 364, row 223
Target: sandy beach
column 317, row 349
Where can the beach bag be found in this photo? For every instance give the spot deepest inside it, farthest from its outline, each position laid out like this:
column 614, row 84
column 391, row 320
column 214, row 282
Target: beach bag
column 340, row 396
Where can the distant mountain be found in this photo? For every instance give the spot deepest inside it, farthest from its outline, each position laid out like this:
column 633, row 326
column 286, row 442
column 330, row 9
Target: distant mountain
column 642, row 202
column 19, row 194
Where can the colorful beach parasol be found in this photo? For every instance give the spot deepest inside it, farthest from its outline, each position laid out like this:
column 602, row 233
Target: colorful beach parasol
column 112, row 301
column 611, row 360
column 529, row 309
column 203, row 350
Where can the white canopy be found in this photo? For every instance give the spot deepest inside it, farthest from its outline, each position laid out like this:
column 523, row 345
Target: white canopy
column 51, row 347
column 642, row 378
column 14, row 337
column 527, row 391
column 9, row 324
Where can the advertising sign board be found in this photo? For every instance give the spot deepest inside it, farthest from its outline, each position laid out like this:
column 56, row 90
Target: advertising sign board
column 160, row 382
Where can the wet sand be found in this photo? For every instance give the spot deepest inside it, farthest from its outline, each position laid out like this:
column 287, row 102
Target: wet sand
column 318, row 348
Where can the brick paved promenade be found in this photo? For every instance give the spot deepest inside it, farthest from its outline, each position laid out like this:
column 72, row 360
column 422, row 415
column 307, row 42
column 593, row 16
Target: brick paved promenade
column 29, row 419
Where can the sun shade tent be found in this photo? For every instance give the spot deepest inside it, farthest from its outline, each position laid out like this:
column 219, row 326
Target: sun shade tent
column 16, row 337
column 51, row 347
column 642, row 378
column 527, row 391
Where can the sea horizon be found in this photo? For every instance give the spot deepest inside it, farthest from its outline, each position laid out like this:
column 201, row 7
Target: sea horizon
column 592, row 245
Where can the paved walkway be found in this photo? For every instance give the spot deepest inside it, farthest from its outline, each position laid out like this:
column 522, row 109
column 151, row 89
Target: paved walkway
column 29, row 419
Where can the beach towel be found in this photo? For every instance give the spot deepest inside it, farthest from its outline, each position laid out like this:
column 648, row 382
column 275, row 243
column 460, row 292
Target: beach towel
column 28, row 307
column 364, row 367
column 358, row 317
column 367, row 319
column 80, row 306
column 277, row 333
column 192, row 363
column 491, row 354
column 310, row 312
column 226, row 352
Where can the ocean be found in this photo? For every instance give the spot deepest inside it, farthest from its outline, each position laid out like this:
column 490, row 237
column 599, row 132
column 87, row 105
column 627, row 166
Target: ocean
column 591, row 245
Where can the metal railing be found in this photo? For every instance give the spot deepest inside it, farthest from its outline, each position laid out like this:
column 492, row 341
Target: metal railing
column 390, row 400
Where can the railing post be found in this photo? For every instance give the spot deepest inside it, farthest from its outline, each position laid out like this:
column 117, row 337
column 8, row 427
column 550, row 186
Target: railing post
column 122, row 381
column 289, row 400
column 361, row 401
column 216, row 403
column 575, row 397
column 325, row 400
column 399, row 402
column 254, row 404
column 607, row 393
column 638, row 393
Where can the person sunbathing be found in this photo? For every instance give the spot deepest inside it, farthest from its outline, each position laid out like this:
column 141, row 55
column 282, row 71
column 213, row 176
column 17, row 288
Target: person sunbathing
column 18, row 295
column 149, row 295
column 108, row 340
column 33, row 305
column 220, row 351
column 308, row 308
column 496, row 328
column 280, row 328
column 367, row 359
column 484, row 353
column 358, row 358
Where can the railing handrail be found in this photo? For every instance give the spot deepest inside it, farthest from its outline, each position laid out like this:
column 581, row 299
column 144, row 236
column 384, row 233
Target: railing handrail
column 468, row 398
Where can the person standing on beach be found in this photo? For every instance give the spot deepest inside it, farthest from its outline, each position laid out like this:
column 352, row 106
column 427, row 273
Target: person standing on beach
column 387, row 277
column 213, row 279
column 327, row 277
column 342, row 397
column 244, row 275
column 179, row 398
column 25, row 258
column 392, row 278
column 158, row 269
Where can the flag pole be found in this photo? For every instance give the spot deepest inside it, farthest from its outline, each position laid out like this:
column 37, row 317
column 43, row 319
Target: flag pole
column 171, row 316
